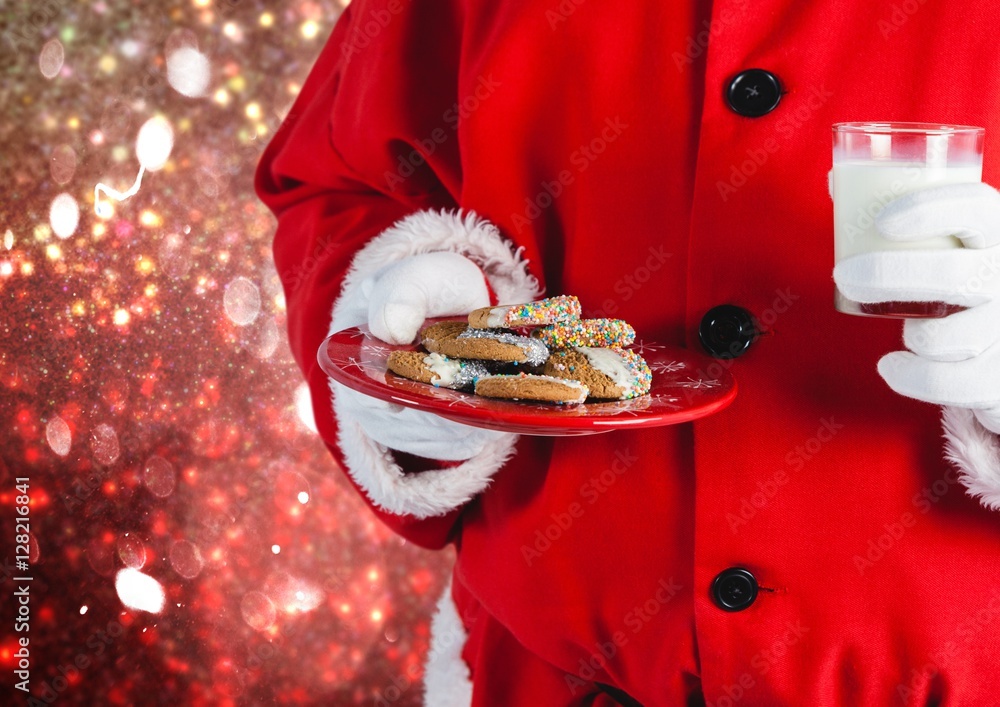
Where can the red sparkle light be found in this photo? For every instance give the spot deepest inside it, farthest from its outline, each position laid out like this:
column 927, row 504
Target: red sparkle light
column 179, row 381
column 160, row 525
column 7, row 651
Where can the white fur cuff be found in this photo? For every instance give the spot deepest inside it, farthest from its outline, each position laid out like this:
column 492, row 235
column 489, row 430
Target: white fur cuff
column 429, row 232
column 422, row 494
column 976, row 452
column 447, row 682
column 370, row 464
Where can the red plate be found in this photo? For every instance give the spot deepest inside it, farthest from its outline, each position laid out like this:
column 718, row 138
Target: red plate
column 686, row 386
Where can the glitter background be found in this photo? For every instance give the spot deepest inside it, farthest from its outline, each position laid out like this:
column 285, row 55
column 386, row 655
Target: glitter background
column 147, row 391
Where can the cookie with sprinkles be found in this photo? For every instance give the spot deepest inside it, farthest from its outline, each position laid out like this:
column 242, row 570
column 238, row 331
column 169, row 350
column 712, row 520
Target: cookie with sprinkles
column 524, row 386
column 600, row 333
column 512, row 316
column 609, row 373
column 458, row 340
column 435, row 369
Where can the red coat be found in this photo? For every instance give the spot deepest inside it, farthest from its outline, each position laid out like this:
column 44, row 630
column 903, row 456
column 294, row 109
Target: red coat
column 597, row 137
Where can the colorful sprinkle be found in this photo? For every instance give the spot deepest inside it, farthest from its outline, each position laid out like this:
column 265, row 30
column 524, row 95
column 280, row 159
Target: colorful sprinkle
column 562, row 308
column 642, row 376
column 602, row 333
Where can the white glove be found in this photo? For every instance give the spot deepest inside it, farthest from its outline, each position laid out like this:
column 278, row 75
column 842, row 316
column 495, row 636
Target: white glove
column 400, row 297
column 409, row 430
column 954, row 360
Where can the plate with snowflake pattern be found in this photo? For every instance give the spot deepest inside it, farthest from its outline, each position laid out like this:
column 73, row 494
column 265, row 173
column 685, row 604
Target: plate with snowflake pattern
column 686, row 386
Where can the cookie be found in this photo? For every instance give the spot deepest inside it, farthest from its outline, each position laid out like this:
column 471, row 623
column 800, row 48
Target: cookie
column 435, row 369
column 612, row 374
column 600, row 333
column 547, row 311
column 441, row 331
column 458, row 340
column 524, row 386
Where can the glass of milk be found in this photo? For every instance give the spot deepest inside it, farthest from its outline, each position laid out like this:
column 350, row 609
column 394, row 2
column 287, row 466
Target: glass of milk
column 873, row 163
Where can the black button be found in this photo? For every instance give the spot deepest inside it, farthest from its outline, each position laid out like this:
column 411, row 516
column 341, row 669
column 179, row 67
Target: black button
column 754, row 93
column 734, row 589
column 727, row 331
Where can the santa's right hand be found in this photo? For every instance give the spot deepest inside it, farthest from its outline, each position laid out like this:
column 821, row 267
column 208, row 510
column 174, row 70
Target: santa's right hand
column 412, row 431
column 402, row 295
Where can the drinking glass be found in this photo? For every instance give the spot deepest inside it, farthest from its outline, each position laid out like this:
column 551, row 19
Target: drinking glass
column 874, row 163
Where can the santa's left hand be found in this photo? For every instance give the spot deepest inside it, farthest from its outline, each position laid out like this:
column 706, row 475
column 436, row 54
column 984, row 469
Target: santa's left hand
column 954, row 360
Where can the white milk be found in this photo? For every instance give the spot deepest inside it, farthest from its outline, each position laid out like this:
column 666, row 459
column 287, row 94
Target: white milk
column 861, row 189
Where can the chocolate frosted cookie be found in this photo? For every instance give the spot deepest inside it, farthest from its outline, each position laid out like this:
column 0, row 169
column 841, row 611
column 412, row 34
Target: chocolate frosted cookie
column 547, row 311
column 611, row 374
column 525, row 386
column 458, row 340
column 435, row 369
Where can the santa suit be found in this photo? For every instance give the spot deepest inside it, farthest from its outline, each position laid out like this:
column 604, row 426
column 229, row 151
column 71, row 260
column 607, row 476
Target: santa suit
column 600, row 141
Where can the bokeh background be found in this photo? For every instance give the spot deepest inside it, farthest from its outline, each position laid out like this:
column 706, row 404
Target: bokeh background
column 192, row 542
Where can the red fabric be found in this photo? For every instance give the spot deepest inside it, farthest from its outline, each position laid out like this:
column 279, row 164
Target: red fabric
column 494, row 300
column 505, row 673
column 327, row 210
column 599, row 140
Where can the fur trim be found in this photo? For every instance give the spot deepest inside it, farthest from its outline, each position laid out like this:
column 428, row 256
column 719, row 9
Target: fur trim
column 371, row 465
column 447, row 681
column 423, row 495
column 428, row 232
column 976, row 452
